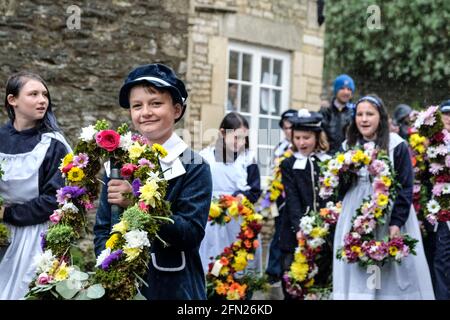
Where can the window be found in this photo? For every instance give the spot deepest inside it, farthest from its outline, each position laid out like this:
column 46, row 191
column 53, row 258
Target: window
column 258, row 88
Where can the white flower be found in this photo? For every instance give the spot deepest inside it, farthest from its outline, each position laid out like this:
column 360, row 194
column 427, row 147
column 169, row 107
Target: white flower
column 303, row 113
column 88, row 133
column 432, row 152
column 316, row 242
column 136, row 239
column 153, row 176
column 44, row 261
column 419, row 121
column 433, row 206
column 125, row 141
column 446, row 189
column 102, row 256
column 69, row 206
column 306, row 224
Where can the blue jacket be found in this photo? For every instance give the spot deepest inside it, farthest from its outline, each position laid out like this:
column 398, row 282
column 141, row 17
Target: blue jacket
column 175, row 272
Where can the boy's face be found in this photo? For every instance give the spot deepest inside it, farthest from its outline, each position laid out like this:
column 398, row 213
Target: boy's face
column 304, row 141
column 344, row 95
column 153, row 113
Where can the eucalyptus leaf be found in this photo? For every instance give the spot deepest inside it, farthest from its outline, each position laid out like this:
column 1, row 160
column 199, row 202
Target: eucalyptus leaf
column 95, row 291
column 66, row 289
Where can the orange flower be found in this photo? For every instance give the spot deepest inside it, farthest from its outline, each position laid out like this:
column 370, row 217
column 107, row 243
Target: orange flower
column 221, row 288
column 255, row 244
column 247, row 244
column 224, row 261
column 301, row 242
column 249, row 233
column 324, row 212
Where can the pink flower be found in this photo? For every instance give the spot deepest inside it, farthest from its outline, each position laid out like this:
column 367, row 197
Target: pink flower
column 56, row 216
column 144, row 162
column 435, row 168
column 108, row 140
column 376, row 167
column 432, row 219
column 127, row 170
column 143, row 206
column 81, row 160
column 437, row 189
column 447, row 161
column 67, row 168
column 416, row 188
column 44, row 278
column 88, row 205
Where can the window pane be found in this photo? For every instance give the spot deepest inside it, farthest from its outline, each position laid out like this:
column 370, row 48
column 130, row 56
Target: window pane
column 264, row 158
column 263, row 123
column 276, row 100
column 275, row 132
column 232, row 97
column 265, row 71
column 234, row 65
column 264, row 101
column 276, row 77
column 263, row 131
column 245, row 98
column 246, row 67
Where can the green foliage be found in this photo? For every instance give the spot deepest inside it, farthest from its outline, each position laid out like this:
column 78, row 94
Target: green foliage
column 4, row 235
column 137, row 219
column 59, row 238
column 412, row 44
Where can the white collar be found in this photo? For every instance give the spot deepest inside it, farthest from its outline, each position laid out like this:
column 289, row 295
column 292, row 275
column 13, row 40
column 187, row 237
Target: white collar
column 174, row 146
column 300, row 162
column 171, row 164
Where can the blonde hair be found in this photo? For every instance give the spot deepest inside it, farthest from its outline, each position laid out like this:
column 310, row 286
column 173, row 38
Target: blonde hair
column 321, row 141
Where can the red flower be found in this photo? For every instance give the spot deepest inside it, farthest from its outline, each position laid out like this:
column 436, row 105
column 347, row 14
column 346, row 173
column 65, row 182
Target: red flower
column 444, row 215
column 443, row 178
column 438, row 137
column 67, row 168
column 108, row 140
column 127, row 170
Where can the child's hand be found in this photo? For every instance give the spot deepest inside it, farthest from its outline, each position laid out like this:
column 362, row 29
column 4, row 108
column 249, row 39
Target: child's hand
column 116, row 190
column 394, row 231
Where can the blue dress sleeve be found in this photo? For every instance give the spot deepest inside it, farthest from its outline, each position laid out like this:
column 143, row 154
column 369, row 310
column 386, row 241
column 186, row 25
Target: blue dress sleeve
column 254, row 182
column 38, row 210
column 103, row 224
column 405, row 176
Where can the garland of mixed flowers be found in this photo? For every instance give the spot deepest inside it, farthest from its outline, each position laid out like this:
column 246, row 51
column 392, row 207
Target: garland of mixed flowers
column 275, row 187
column 360, row 244
column 421, row 190
column 315, row 227
column 223, row 282
column 123, row 264
column 429, row 124
column 4, row 231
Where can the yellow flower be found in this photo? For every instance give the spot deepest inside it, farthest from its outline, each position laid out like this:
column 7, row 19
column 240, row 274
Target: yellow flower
column 224, row 271
column 327, row 182
column 233, row 295
column 387, row 182
column 300, row 257
column 62, row 273
column 240, row 261
column 382, row 200
column 215, row 210
column 75, row 174
column 121, row 227
column 112, row 241
column 250, row 256
column 159, row 149
column 299, row 271
column 393, row 251
column 378, row 213
column 318, row 232
column 309, row 283
column 149, row 192
column 131, row 253
column 358, row 156
column 233, row 209
column 420, row 149
column 136, row 150
column 67, row 159
column 356, row 249
column 340, row 158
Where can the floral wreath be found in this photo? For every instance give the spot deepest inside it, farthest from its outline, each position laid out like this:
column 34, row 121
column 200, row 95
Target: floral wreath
column 314, row 229
column 360, row 244
column 275, row 187
column 222, row 280
column 122, row 266
column 429, row 124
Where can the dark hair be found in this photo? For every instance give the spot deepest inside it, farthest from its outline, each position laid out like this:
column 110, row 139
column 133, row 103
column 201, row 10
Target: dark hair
column 382, row 139
column 13, row 86
column 322, row 144
column 232, row 121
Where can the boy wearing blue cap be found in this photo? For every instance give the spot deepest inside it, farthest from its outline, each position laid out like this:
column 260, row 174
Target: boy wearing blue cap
column 338, row 115
column 156, row 98
column 445, row 110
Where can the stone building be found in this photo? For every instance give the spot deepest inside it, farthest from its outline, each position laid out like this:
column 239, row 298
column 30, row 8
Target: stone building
column 257, row 57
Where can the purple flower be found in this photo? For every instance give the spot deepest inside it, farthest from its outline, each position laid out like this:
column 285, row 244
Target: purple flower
column 136, row 184
column 265, row 203
column 110, row 259
column 43, row 241
column 69, row 192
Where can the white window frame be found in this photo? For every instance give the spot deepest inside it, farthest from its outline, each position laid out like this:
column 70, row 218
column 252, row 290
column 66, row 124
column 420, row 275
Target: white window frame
column 257, row 54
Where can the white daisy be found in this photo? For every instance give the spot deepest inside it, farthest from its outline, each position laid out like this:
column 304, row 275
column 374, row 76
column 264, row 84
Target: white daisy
column 88, row 133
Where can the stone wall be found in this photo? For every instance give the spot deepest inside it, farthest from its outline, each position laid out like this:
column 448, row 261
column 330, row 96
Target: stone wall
column 85, row 68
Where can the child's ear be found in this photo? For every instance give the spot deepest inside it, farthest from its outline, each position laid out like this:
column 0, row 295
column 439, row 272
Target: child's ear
column 11, row 100
column 178, row 110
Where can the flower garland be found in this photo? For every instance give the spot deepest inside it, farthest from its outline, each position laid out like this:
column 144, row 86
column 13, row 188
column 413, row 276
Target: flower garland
column 312, row 236
column 360, row 244
column 429, row 124
column 419, row 159
column 123, row 264
column 275, row 187
column 222, row 280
